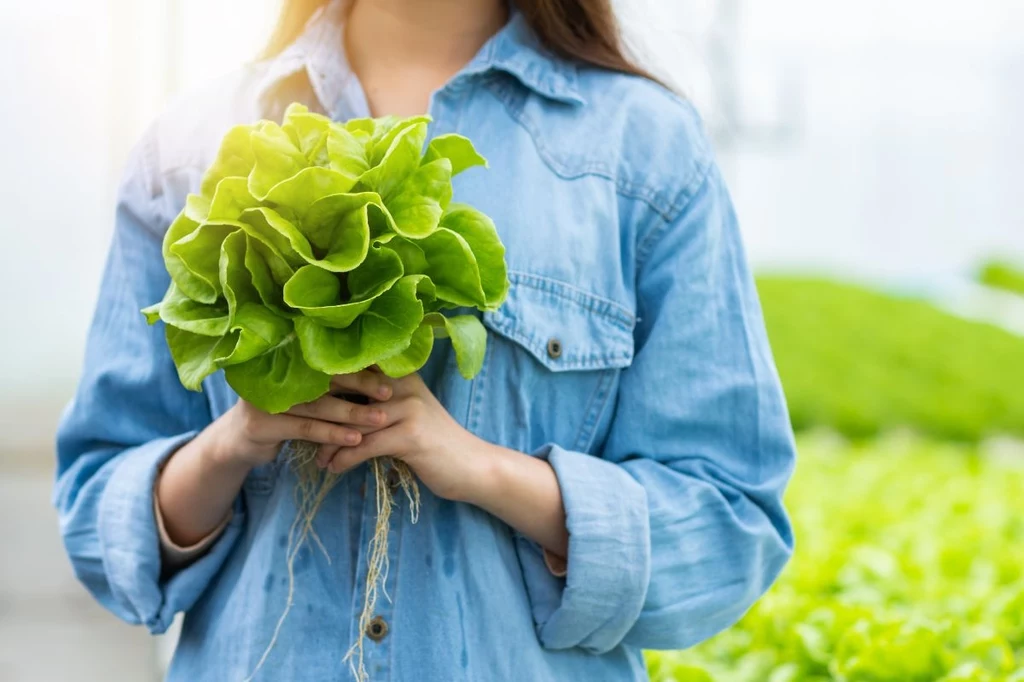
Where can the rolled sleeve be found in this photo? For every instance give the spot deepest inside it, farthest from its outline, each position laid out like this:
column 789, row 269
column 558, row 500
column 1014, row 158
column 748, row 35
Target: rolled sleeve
column 173, row 555
column 609, row 558
column 129, row 414
column 130, row 547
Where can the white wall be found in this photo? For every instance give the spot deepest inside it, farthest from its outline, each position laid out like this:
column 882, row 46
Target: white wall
column 908, row 158
column 79, row 81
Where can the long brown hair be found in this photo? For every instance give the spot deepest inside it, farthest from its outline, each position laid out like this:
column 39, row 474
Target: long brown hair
column 579, row 30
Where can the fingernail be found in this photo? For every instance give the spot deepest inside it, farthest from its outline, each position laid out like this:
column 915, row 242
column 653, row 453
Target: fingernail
column 351, row 438
column 384, row 392
column 376, row 416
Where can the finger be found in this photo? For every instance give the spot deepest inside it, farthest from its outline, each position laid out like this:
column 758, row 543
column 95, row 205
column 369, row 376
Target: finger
column 325, row 453
column 330, row 409
column 404, row 407
column 371, row 384
column 291, row 427
column 378, row 444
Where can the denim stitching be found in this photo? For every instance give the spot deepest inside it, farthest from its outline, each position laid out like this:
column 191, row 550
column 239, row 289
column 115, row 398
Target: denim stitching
column 592, row 302
column 646, row 244
column 624, row 187
column 595, row 406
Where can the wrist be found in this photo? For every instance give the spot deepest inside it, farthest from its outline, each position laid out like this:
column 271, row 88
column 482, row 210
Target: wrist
column 491, row 464
column 218, row 451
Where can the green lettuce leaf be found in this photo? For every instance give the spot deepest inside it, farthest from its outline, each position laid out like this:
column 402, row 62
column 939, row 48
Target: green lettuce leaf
column 277, row 158
column 195, row 355
column 480, row 235
column 235, row 279
column 459, row 151
column 229, row 200
column 308, row 132
column 199, row 256
column 254, row 330
column 183, row 226
column 199, row 318
column 416, row 205
column 469, row 340
column 384, row 330
column 298, row 193
column 318, row 294
column 452, row 267
column 348, row 153
column 278, row 380
column 383, row 132
column 234, row 159
column 338, row 227
column 412, row 358
column 400, row 159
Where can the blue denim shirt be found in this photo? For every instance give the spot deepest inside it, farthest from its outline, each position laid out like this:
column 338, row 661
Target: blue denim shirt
column 662, row 415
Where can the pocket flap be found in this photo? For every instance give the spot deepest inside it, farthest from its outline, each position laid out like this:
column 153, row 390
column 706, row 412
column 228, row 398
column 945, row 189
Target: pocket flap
column 563, row 327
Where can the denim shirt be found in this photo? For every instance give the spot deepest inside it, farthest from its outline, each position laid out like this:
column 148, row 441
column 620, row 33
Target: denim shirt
column 631, row 355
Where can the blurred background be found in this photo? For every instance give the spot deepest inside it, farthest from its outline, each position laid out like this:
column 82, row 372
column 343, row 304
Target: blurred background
column 876, row 155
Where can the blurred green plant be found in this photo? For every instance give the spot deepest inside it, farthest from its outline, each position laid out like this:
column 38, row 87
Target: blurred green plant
column 1002, row 275
column 863, row 362
column 913, row 573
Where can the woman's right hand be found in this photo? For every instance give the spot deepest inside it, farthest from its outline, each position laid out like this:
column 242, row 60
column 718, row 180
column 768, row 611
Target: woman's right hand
column 246, row 435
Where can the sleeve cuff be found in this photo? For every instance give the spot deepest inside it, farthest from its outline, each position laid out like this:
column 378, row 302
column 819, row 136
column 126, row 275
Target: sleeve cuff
column 607, row 570
column 173, row 556
column 130, row 545
column 558, row 566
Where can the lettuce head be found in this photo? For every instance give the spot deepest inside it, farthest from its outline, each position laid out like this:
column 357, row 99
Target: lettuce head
column 316, row 248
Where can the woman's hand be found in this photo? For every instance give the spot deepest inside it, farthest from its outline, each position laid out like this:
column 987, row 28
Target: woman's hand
column 248, row 436
column 519, row 489
column 418, row 430
column 198, row 484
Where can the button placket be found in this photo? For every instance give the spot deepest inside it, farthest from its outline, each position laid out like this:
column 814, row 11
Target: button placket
column 377, row 655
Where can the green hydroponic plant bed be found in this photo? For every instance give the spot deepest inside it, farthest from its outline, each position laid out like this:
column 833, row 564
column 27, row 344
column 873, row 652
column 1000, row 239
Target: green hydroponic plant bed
column 909, row 567
column 862, row 362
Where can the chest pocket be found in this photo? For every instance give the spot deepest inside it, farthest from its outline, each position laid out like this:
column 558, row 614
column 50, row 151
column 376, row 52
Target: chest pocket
column 552, row 366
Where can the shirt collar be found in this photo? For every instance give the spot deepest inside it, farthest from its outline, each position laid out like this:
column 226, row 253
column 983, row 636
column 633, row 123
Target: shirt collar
column 319, row 51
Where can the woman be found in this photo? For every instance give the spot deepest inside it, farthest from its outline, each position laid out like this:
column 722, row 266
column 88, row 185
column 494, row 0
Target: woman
column 610, row 481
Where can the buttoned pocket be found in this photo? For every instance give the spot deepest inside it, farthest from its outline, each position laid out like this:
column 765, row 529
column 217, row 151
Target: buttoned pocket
column 552, row 366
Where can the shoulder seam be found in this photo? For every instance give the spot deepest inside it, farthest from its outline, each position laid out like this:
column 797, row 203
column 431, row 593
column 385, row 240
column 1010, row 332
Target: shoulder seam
column 646, row 244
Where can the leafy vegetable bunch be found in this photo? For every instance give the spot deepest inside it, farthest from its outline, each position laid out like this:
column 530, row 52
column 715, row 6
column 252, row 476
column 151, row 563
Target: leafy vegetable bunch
column 317, row 248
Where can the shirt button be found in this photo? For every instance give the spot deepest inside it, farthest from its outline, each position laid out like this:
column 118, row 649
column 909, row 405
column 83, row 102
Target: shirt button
column 377, row 629
column 554, row 349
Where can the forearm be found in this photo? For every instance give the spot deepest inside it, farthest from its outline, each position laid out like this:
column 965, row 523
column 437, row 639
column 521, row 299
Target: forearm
column 523, row 492
column 197, row 488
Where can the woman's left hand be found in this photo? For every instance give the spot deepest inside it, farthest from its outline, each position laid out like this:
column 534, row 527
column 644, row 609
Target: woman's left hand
column 520, row 490
column 418, row 430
